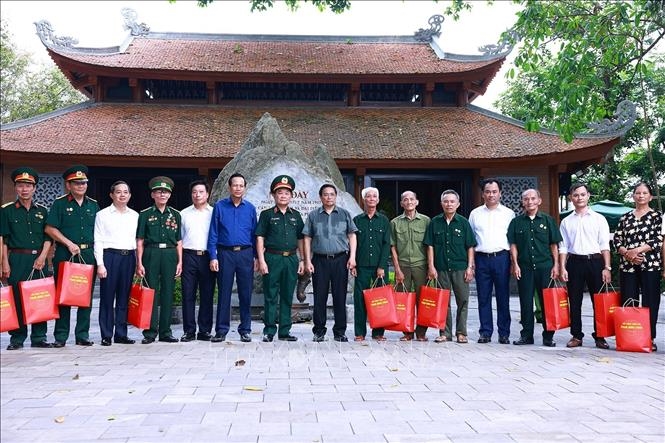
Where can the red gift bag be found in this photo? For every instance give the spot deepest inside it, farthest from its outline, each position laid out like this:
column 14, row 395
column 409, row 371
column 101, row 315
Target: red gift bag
column 38, row 297
column 8, row 317
column 433, row 306
column 555, row 305
column 405, row 307
column 75, row 283
column 139, row 310
column 380, row 305
column 604, row 304
column 632, row 328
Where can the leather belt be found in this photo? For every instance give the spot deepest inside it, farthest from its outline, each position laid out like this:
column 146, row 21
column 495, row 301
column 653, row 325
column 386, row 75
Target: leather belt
column 25, row 251
column 159, row 246
column 492, row 254
column 331, row 256
column 85, row 246
column 234, row 248
column 119, row 251
column 282, row 253
column 195, row 251
column 585, row 256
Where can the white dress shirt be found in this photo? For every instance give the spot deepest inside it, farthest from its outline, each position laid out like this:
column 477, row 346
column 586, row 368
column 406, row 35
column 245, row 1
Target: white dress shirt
column 195, row 227
column 114, row 229
column 584, row 233
column 490, row 227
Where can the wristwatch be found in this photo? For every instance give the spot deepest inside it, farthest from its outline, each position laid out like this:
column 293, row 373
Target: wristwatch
column 607, row 268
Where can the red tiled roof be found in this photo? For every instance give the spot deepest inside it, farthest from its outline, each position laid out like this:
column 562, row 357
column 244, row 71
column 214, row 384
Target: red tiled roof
column 270, row 57
column 179, row 131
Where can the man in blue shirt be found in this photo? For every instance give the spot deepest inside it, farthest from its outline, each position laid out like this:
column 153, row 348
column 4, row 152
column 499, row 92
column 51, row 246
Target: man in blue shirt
column 231, row 249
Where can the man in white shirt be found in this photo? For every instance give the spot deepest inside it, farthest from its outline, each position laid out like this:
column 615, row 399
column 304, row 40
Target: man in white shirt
column 584, row 256
column 196, row 271
column 492, row 257
column 115, row 253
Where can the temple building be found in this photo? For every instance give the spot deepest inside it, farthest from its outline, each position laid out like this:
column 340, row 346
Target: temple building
column 394, row 112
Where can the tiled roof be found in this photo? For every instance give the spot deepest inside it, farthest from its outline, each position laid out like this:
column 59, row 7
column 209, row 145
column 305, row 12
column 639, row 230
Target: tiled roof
column 180, row 131
column 271, row 57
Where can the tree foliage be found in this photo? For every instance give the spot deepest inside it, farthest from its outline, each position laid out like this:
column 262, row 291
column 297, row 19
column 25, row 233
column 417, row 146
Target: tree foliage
column 336, row 6
column 27, row 90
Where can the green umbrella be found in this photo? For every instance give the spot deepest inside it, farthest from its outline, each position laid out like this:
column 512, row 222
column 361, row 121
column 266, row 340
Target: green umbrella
column 609, row 209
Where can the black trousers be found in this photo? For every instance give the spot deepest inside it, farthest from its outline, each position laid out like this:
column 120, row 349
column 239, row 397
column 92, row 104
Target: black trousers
column 330, row 273
column 115, row 288
column 647, row 282
column 582, row 271
column 196, row 274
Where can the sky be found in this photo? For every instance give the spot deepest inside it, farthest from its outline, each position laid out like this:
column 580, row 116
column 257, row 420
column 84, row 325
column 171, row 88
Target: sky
column 99, row 23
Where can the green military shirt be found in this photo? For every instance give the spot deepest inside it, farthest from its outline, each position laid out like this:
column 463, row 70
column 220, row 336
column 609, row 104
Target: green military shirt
column 156, row 227
column 533, row 239
column 280, row 231
column 451, row 242
column 407, row 236
column 373, row 240
column 76, row 222
column 23, row 228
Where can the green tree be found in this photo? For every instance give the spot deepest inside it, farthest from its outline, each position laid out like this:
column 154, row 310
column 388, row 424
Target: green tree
column 27, row 90
column 336, row 6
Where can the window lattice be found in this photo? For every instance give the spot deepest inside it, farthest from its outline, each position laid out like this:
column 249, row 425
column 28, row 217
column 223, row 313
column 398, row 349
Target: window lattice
column 49, row 188
column 511, row 195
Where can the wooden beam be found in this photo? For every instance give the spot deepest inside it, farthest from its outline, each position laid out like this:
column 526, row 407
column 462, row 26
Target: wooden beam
column 553, row 173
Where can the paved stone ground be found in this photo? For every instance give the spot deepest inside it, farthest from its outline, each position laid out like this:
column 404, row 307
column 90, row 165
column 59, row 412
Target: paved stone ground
column 332, row 392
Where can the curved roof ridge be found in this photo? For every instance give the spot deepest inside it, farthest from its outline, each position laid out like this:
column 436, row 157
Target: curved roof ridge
column 48, row 115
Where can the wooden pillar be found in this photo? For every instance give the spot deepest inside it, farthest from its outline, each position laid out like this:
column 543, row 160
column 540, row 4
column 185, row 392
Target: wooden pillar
column 211, row 88
column 137, row 91
column 428, row 92
column 359, row 184
column 553, row 172
column 463, row 94
column 353, row 96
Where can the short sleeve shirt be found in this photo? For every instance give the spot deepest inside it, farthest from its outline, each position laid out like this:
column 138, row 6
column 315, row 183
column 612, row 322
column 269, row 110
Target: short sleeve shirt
column 76, row 222
column 329, row 232
column 23, row 228
column 633, row 232
column 451, row 242
column 373, row 236
column 407, row 235
column 157, row 227
column 533, row 238
column 280, row 231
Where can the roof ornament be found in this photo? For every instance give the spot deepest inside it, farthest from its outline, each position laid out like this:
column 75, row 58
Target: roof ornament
column 624, row 119
column 131, row 16
column 426, row 35
column 49, row 39
column 505, row 45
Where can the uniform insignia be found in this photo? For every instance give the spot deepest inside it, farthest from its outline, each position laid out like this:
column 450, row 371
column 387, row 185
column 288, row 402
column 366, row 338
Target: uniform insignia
column 285, row 180
column 69, row 209
column 8, row 204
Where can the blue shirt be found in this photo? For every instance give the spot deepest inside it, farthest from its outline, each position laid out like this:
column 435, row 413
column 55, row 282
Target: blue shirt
column 231, row 225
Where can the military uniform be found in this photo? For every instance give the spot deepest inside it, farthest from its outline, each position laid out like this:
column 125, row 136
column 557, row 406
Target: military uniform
column 76, row 222
column 281, row 232
column 161, row 235
column 23, row 233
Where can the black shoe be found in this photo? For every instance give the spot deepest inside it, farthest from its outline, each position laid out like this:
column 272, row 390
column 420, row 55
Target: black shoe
column 124, row 340
column 203, row 336
column 58, row 344
column 106, row 341
column 147, row 340
column 188, row 337
column 14, row 346
column 245, row 338
column 41, row 344
column 168, row 339
column 84, row 342
column 267, row 338
column 484, row 339
column 654, row 347
column 504, row 340
column 341, row 338
column 549, row 343
column 288, row 338
column 523, row 341
column 319, row 338
column 601, row 343
column 219, row 337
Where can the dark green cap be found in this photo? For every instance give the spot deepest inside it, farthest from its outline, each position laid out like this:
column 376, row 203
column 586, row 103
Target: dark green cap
column 282, row 181
column 161, row 182
column 76, row 172
column 25, row 174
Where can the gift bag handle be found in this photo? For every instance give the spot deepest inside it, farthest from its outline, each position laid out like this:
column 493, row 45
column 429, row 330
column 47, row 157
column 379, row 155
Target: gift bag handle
column 607, row 287
column 80, row 259
column 632, row 303
column 434, row 283
column 555, row 284
column 398, row 284
column 376, row 280
column 41, row 274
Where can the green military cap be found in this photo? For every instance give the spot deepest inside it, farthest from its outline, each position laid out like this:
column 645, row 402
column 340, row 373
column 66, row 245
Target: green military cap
column 25, row 174
column 161, row 182
column 282, row 181
column 76, row 172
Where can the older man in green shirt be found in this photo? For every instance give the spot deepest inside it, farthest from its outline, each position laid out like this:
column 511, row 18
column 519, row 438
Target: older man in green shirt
column 25, row 248
column 407, row 232
column 279, row 240
column 450, row 258
column 372, row 252
column 71, row 224
column 534, row 253
column 159, row 257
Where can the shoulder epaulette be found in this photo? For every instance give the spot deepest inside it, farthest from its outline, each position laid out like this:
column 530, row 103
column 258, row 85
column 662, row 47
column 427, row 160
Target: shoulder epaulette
column 147, row 209
column 91, row 199
column 7, row 204
column 174, row 209
column 39, row 205
column 62, row 196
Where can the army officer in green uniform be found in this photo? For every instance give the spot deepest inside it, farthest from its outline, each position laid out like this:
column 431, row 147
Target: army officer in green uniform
column 71, row 224
column 159, row 257
column 25, row 249
column 279, row 242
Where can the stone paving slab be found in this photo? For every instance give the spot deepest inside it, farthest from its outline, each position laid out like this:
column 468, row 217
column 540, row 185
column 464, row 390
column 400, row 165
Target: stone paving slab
column 333, row 392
